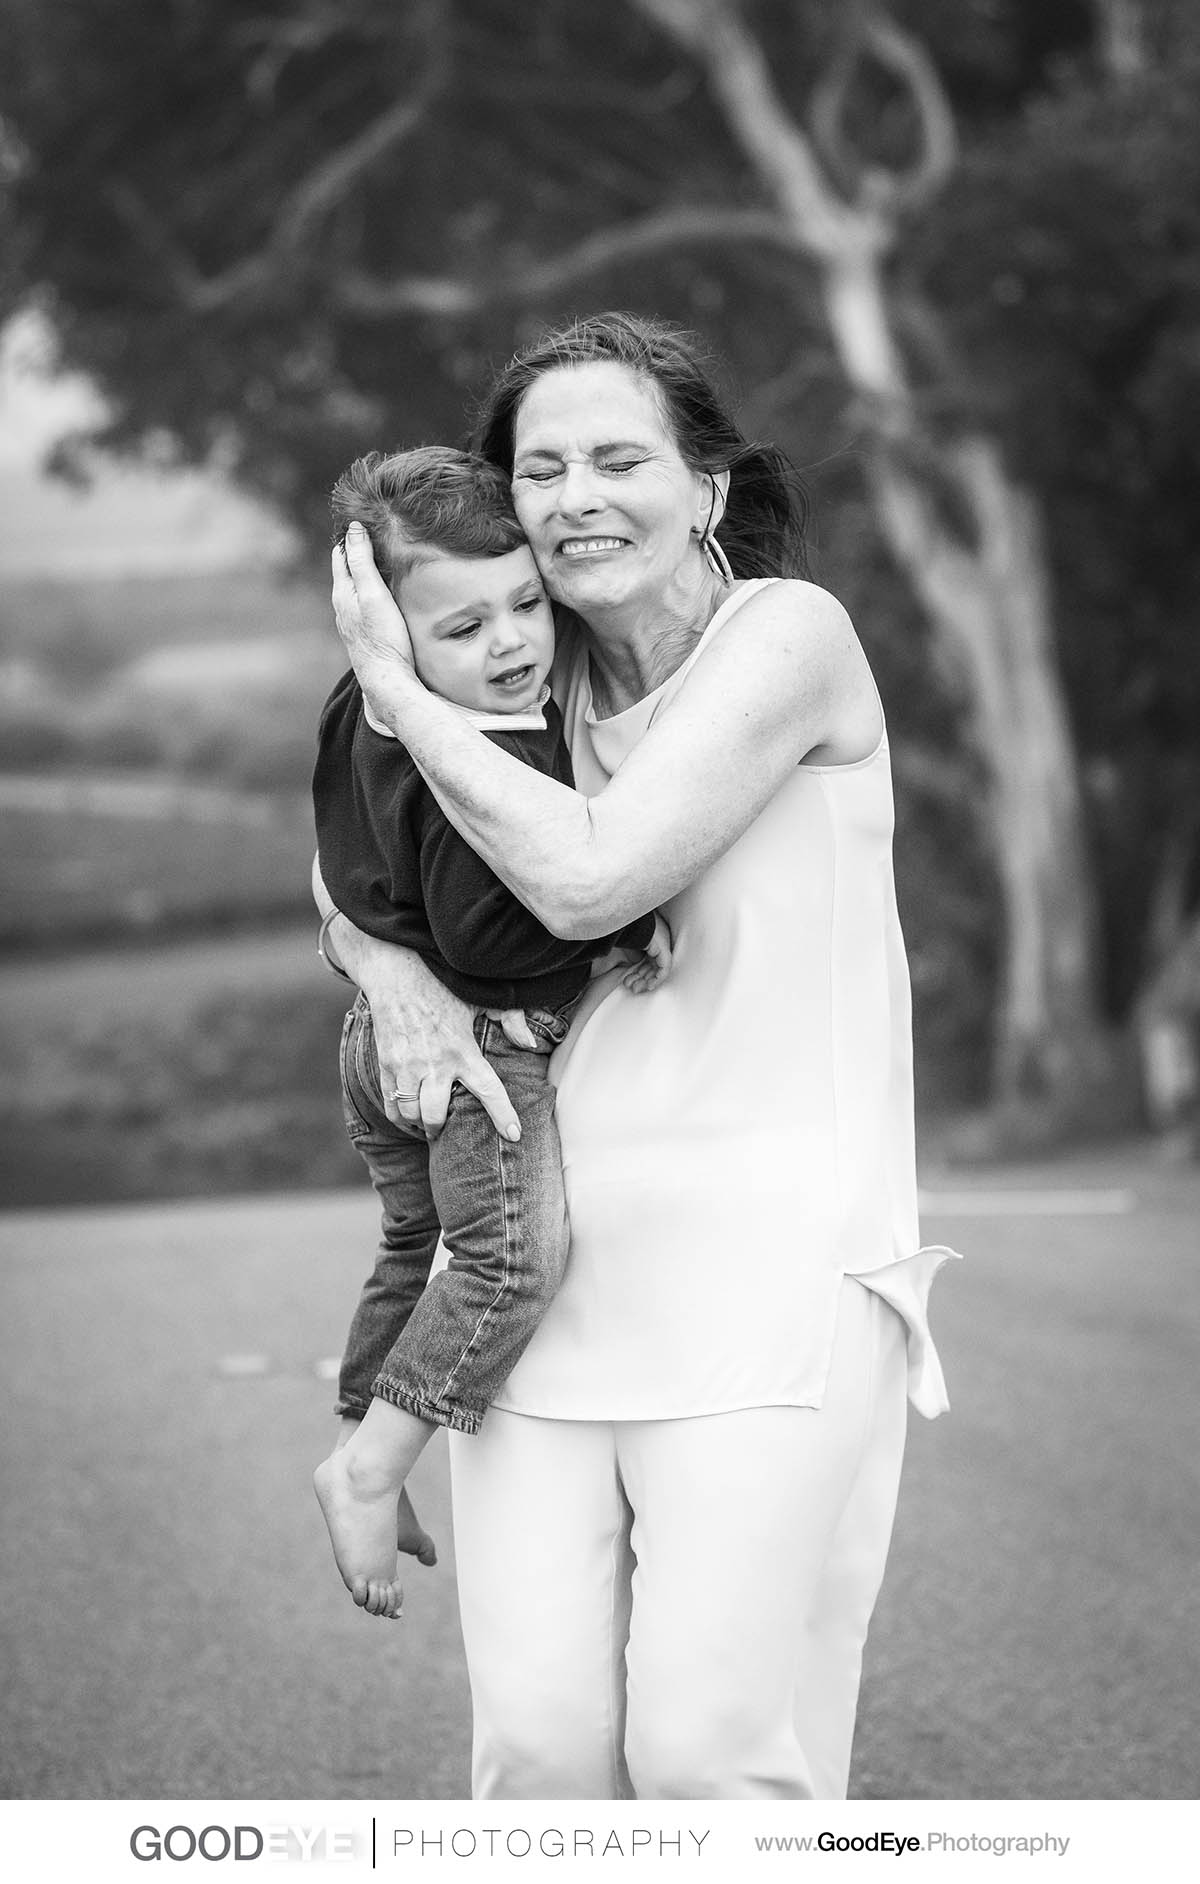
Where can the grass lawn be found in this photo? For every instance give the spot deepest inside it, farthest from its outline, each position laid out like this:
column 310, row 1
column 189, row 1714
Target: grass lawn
column 171, row 1069
column 98, row 858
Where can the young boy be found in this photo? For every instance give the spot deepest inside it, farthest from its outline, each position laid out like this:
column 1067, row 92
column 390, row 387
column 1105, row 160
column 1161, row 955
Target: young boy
column 428, row 1351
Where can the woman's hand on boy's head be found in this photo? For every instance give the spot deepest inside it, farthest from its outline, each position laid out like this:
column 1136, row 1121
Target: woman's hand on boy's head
column 371, row 626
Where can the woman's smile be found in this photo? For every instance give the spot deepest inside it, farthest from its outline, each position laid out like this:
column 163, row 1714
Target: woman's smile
column 599, row 485
column 581, row 546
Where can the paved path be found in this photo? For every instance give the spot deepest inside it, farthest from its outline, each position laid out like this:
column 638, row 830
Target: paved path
column 175, row 1630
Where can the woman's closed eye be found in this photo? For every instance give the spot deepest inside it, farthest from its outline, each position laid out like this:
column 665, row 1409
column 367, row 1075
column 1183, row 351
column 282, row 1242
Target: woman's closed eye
column 545, row 474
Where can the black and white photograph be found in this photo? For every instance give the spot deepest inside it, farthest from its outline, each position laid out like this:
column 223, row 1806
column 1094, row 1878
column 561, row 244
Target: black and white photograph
column 600, row 944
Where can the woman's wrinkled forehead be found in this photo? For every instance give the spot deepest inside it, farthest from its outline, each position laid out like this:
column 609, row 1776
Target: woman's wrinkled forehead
column 593, row 396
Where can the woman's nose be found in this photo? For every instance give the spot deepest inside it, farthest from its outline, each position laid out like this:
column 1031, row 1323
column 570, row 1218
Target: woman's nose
column 578, row 490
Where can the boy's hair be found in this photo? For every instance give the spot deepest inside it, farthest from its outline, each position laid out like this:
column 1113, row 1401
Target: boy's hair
column 430, row 498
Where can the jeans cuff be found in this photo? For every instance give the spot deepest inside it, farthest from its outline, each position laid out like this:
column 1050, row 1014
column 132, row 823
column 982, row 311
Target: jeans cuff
column 459, row 1419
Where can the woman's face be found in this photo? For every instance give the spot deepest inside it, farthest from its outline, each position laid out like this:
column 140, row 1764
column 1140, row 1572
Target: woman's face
column 604, row 497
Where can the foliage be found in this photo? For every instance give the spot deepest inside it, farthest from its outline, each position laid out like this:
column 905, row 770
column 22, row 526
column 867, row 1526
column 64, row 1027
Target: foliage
column 1066, row 258
column 296, row 230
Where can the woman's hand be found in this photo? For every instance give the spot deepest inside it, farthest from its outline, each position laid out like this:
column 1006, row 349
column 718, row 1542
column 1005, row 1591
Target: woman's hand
column 372, row 628
column 426, row 1042
column 424, row 1037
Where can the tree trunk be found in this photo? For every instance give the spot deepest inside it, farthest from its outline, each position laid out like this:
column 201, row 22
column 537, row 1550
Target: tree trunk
column 983, row 580
column 985, row 588
column 989, row 604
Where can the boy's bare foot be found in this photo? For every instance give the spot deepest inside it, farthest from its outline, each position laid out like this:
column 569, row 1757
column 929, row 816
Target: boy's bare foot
column 362, row 1492
column 411, row 1535
column 380, row 1599
column 361, row 1511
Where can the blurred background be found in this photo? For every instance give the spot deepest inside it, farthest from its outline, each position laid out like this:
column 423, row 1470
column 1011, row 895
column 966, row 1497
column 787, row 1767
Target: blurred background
column 945, row 252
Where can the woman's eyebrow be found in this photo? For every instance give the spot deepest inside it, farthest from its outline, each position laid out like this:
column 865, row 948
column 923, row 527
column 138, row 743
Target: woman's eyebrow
column 609, row 444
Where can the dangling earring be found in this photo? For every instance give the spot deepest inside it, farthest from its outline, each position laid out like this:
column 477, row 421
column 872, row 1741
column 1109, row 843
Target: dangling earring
column 715, row 556
column 718, row 562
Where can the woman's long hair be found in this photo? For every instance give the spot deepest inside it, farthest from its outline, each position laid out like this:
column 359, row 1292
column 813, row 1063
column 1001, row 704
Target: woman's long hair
column 762, row 530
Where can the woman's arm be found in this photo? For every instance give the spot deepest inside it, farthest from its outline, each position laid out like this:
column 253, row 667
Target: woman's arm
column 784, row 680
column 425, row 1036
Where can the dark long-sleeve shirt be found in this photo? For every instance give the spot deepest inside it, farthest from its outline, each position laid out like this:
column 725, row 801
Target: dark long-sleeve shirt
column 394, row 864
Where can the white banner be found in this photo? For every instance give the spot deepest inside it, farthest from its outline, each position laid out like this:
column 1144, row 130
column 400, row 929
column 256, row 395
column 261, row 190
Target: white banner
column 950, row 1841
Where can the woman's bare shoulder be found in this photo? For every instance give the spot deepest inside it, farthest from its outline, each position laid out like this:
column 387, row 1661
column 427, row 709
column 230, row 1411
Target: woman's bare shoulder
column 794, row 648
column 791, row 631
column 791, row 603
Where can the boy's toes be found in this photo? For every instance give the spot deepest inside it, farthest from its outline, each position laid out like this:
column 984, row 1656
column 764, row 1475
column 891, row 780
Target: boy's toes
column 382, row 1597
column 360, row 1591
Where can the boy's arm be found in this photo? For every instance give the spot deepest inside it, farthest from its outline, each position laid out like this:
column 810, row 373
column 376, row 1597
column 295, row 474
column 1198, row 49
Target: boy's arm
column 654, row 964
column 481, row 928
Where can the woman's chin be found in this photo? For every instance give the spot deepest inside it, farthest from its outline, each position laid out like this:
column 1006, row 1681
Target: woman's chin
column 602, row 585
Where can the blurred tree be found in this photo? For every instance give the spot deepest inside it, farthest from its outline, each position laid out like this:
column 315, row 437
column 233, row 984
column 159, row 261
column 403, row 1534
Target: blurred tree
column 289, row 230
column 1065, row 260
column 967, row 535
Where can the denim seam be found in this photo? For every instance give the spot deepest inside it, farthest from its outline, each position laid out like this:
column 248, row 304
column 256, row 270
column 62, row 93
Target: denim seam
column 502, row 1285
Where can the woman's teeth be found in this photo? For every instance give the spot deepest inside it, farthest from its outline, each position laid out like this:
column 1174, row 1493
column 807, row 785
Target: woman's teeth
column 590, row 545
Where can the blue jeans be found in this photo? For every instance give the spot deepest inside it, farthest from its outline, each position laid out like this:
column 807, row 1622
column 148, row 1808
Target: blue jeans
column 442, row 1346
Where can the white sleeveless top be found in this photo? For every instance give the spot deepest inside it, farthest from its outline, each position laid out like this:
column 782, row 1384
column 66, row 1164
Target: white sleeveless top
column 738, row 1139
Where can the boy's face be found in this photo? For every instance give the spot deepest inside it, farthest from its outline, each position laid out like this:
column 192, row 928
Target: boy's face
column 481, row 628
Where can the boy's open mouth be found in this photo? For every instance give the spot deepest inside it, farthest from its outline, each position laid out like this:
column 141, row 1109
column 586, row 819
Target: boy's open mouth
column 513, row 677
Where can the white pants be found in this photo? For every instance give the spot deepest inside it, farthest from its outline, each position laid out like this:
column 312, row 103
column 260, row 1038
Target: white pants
column 676, row 1609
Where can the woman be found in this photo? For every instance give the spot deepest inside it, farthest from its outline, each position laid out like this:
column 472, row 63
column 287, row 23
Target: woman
column 673, row 1527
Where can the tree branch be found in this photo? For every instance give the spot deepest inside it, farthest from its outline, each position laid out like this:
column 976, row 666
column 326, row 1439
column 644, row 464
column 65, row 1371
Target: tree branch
column 449, row 296
column 331, row 182
column 868, row 35
column 315, row 197
column 828, row 102
column 277, row 41
column 903, row 191
column 713, row 32
column 199, row 293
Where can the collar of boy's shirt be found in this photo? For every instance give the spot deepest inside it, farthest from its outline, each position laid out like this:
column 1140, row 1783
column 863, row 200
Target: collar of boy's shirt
column 533, row 720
